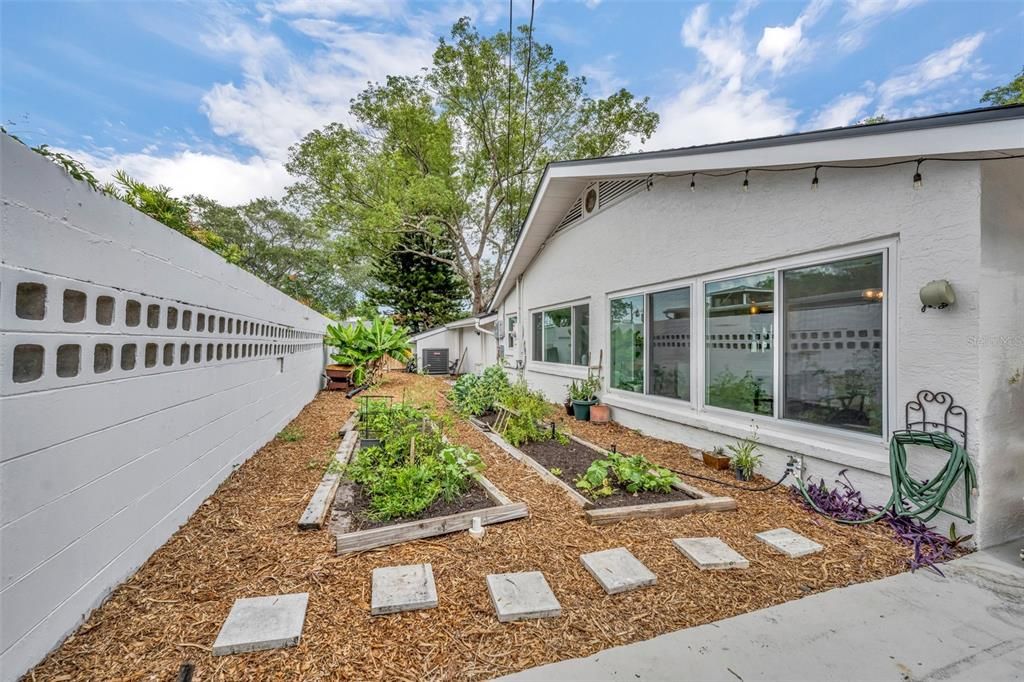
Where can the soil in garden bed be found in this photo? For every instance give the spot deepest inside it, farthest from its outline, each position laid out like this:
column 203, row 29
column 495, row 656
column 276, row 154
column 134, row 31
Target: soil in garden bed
column 357, row 506
column 489, row 418
column 574, row 459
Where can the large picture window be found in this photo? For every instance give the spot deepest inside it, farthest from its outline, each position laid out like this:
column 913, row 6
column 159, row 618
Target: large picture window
column 627, row 343
column 834, row 344
column 669, row 343
column 561, row 335
column 738, row 339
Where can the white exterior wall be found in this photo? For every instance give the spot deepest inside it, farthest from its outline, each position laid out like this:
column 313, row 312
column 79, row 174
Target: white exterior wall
column 669, row 233
column 1000, row 348
column 97, row 470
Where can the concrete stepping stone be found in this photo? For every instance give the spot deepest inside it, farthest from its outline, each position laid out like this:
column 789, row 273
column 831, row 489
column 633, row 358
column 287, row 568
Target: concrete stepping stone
column 710, row 553
column 260, row 623
column 522, row 596
column 402, row 588
column 789, row 543
column 617, row 570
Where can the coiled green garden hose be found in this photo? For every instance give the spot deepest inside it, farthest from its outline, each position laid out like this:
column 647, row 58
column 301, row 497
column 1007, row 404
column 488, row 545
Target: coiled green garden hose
column 920, row 499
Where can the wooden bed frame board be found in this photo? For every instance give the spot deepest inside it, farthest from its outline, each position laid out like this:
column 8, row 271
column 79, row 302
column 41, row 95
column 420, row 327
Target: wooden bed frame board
column 323, row 496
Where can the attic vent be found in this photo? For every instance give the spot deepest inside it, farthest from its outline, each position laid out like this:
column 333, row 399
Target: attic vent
column 611, row 191
column 574, row 213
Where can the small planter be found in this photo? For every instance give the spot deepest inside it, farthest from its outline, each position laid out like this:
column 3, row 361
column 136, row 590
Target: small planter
column 600, row 414
column 716, row 461
column 339, row 376
column 581, row 409
column 568, row 408
column 742, row 475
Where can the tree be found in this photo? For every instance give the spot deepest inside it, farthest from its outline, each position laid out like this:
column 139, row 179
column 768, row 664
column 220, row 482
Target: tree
column 285, row 250
column 452, row 156
column 1011, row 93
column 423, row 292
column 871, row 120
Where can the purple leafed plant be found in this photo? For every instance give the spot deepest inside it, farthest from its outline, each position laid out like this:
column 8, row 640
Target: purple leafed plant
column 844, row 503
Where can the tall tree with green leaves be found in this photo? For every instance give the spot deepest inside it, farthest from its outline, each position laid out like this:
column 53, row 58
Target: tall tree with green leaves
column 421, row 291
column 452, row 156
column 286, row 251
column 1011, row 93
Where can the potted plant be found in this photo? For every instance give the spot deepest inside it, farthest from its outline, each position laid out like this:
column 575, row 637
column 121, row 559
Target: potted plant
column 346, row 341
column 364, row 347
column 584, row 395
column 745, row 457
column 716, row 458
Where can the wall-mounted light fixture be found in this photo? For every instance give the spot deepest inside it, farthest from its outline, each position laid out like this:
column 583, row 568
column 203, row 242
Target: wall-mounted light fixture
column 937, row 294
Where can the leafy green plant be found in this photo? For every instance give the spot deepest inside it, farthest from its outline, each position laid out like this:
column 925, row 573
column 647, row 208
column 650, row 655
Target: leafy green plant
column 585, row 390
column 413, row 465
column 366, row 346
column 555, row 471
column 634, row 474
column 745, row 457
column 527, row 409
column 291, row 434
column 475, row 395
column 742, row 393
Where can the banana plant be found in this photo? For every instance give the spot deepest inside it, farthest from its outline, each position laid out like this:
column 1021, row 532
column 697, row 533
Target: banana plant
column 365, row 345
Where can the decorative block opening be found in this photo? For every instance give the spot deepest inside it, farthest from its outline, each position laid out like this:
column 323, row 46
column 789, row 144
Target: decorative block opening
column 74, row 305
column 197, row 353
column 221, row 325
column 229, row 351
column 184, row 355
column 172, row 317
column 209, row 352
column 132, row 313
column 69, row 360
column 105, row 310
column 151, row 351
column 220, row 350
column 30, row 302
column 28, row 362
column 102, row 358
column 186, row 319
column 128, row 352
column 200, row 322
column 168, row 354
column 153, row 316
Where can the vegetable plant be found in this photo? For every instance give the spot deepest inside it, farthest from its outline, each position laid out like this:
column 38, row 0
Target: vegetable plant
column 585, row 390
column 475, row 395
column 634, row 474
column 527, row 409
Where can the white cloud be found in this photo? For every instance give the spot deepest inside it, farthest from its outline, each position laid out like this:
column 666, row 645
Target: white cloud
column 861, row 16
column 842, row 111
column 602, row 77
column 228, row 180
column 722, row 46
column 780, row 45
column 935, row 70
column 335, row 8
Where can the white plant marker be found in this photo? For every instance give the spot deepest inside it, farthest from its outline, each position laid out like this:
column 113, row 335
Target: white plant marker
column 477, row 530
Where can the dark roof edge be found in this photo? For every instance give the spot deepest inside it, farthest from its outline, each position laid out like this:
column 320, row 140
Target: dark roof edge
column 980, row 115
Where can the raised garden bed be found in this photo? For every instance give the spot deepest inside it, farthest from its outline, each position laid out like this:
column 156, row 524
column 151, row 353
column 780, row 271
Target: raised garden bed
column 571, row 460
column 358, row 524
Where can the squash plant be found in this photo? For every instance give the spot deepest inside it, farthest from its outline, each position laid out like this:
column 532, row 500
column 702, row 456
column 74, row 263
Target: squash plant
column 634, row 474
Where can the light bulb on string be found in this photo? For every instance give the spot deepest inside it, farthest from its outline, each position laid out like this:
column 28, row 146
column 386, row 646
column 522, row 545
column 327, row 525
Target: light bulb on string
column 746, row 181
column 814, row 182
column 918, row 183
column 693, row 182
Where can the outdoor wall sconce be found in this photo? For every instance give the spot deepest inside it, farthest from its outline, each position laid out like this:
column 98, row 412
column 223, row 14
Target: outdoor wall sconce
column 937, row 294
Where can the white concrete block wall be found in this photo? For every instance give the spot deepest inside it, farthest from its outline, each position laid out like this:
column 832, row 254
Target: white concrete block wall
column 98, row 467
column 1000, row 348
column 670, row 233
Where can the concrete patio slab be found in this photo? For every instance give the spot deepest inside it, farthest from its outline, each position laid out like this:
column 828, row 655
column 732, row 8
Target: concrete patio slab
column 260, row 623
column 617, row 570
column 966, row 626
column 402, row 588
column 710, row 553
column 789, row 543
column 522, row 596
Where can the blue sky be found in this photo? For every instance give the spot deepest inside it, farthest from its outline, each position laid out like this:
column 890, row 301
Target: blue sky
column 207, row 96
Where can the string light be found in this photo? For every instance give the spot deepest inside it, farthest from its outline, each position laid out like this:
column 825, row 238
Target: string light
column 814, row 182
column 746, row 181
column 917, row 175
column 693, row 182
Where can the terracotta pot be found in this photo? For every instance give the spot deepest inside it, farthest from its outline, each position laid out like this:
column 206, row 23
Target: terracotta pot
column 339, row 371
column 600, row 414
column 717, row 462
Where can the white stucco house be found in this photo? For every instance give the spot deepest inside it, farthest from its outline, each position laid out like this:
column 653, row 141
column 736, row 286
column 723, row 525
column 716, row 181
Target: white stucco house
column 774, row 283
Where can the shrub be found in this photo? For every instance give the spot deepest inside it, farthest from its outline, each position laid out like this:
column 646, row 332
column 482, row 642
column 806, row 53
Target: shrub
column 475, row 395
column 633, row 474
column 527, row 409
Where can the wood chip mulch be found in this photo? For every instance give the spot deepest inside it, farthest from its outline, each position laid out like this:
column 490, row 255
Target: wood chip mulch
column 243, row 542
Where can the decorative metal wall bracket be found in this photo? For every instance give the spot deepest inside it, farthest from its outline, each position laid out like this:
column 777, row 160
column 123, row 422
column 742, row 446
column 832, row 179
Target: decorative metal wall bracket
column 936, row 411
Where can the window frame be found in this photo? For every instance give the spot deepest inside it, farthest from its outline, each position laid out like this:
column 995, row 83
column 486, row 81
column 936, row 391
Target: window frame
column 571, row 306
column 697, row 405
